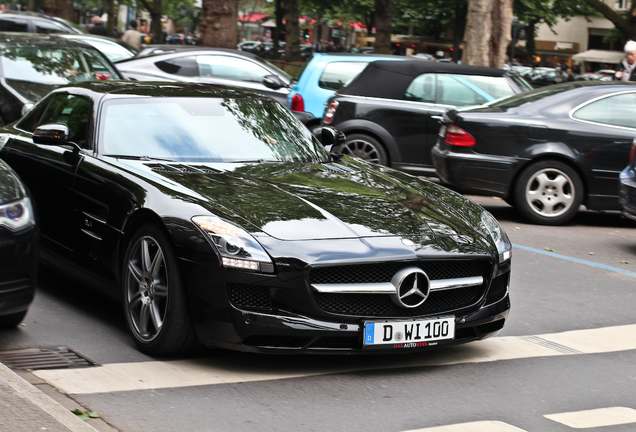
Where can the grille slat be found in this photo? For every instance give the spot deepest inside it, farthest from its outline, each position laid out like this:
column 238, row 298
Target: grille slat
column 376, row 273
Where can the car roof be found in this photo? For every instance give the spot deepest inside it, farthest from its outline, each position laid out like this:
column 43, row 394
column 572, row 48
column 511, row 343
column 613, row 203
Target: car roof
column 397, row 76
column 40, row 39
column 180, row 51
column 163, row 89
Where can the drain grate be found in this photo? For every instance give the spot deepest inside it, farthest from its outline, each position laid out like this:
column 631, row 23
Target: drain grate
column 44, row 358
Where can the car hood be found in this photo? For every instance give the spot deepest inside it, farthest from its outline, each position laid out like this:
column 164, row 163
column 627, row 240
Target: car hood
column 10, row 189
column 31, row 91
column 350, row 199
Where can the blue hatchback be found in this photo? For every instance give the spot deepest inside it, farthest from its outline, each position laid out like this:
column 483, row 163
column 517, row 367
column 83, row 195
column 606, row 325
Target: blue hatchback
column 320, row 77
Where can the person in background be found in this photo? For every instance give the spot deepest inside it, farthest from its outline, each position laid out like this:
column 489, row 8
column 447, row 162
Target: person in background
column 98, row 28
column 626, row 69
column 132, row 36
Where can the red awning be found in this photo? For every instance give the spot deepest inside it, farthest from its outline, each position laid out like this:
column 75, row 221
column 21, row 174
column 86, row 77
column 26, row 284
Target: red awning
column 252, row 17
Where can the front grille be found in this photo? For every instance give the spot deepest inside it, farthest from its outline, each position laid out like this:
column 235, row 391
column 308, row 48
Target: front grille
column 383, row 272
column 498, row 288
column 249, row 297
column 381, row 305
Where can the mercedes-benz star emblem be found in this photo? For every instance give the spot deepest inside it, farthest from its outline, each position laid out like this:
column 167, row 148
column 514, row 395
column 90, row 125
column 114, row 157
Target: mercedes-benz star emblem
column 411, row 287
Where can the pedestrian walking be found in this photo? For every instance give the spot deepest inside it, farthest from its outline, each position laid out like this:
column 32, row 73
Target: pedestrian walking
column 132, row 36
column 626, row 69
column 98, row 27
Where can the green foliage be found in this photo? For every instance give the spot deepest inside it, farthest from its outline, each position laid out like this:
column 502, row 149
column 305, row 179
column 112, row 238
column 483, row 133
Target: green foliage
column 85, row 415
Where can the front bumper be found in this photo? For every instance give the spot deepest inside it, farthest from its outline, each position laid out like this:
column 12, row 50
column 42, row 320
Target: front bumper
column 18, row 270
column 283, row 313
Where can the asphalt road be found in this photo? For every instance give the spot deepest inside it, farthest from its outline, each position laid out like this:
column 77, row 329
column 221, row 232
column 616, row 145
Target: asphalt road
column 565, row 359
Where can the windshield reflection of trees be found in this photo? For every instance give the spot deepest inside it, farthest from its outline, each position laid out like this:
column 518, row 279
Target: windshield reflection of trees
column 272, row 124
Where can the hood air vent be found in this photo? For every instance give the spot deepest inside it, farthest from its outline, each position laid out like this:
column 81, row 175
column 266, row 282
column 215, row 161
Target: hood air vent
column 181, row 168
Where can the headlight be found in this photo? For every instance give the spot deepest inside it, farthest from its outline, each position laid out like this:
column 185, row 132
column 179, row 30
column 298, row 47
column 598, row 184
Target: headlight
column 17, row 215
column 499, row 236
column 237, row 247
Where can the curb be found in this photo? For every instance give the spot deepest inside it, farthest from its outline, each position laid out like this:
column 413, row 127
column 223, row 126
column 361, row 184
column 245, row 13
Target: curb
column 43, row 402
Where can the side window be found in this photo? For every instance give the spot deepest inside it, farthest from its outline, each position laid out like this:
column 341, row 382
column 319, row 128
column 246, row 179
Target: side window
column 618, row 110
column 422, row 89
column 232, row 68
column 184, row 66
column 31, row 120
column 452, row 91
column 73, row 111
column 48, row 27
column 339, row 74
column 13, row 25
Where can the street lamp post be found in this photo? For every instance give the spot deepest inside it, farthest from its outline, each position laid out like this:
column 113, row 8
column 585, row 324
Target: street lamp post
column 516, row 29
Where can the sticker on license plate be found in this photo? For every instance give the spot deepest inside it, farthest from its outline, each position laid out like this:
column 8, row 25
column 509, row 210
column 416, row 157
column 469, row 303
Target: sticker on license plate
column 409, row 334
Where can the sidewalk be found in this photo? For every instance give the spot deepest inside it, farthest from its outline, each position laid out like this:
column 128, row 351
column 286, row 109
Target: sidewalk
column 24, row 408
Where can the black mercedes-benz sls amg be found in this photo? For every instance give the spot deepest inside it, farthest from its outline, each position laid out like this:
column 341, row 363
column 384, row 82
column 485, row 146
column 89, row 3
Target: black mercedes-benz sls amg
column 217, row 218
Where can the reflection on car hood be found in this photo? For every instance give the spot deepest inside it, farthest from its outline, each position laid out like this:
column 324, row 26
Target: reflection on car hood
column 32, row 91
column 9, row 187
column 349, row 199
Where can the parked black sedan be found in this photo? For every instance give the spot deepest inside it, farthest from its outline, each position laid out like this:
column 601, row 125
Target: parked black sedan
column 213, row 66
column 18, row 247
column 216, row 216
column 32, row 65
column 545, row 152
column 391, row 111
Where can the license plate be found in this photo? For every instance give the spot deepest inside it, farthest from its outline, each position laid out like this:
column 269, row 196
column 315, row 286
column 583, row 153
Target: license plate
column 409, row 334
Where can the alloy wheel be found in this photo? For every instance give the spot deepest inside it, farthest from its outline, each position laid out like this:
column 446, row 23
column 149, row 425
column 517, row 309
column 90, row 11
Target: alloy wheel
column 550, row 192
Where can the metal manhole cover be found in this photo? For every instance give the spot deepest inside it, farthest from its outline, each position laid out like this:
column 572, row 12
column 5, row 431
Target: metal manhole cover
column 44, row 358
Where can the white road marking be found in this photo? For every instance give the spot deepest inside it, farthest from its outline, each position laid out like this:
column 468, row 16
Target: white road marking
column 595, row 418
column 479, row 426
column 245, row 368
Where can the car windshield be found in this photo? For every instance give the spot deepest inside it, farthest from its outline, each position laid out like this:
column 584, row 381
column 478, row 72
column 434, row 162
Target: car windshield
column 54, row 65
column 206, row 130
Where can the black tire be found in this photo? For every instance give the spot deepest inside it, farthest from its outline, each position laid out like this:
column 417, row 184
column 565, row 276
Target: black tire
column 549, row 192
column 154, row 296
column 12, row 320
column 364, row 147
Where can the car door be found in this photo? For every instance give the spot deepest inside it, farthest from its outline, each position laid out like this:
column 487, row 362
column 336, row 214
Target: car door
column 49, row 171
column 607, row 126
column 236, row 71
column 414, row 124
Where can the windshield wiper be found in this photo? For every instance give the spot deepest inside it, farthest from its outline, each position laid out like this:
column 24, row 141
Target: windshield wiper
column 258, row 161
column 143, row 158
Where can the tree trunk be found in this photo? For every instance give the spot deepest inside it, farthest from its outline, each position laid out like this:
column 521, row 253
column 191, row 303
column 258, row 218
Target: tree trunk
column 156, row 28
column 459, row 25
column 292, row 30
column 383, row 26
column 218, row 23
column 278, row 13
column 477, row 35
column 500, row 36
column 59, row 8
column 530, row 44
column 112, row 17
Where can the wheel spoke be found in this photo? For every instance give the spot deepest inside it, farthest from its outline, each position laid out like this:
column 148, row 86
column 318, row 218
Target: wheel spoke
column 135, row 301
column 161, row 290
column 543, row 180
column 155, row 266
column 144, row 318
column 146, row 262
column 156, row 316
column 561, row 182
column 134, row 271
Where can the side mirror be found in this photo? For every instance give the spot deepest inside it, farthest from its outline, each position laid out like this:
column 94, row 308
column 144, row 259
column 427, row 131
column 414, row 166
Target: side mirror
column 330, row 136
column 55, row 134
column 273, row 82
column 51, row 134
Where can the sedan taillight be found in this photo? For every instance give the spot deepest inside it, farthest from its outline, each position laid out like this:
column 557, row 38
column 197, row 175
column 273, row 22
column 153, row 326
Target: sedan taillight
column 297, row 104
column 458, row 137
column 330, row 112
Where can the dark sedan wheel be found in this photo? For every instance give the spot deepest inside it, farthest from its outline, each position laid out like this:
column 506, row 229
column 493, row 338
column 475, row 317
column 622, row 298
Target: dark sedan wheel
column 364, row 147
column 549, row 192
column 155, row 303
column 12, row 320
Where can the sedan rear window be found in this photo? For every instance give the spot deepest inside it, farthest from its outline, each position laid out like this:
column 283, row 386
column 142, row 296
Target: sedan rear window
column 617, row 110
